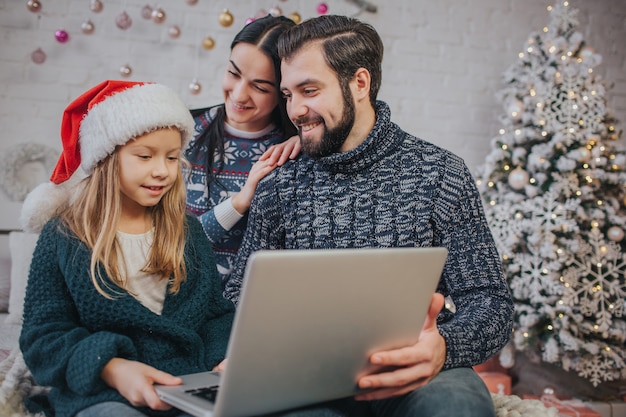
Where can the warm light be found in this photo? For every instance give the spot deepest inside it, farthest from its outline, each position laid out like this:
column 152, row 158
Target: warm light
column 506, row 167
column 599, row 202
column 521, row 55
column 533, row 92
column 518, row 132
column 502, row 131
column 504, row 146
column 545, row 29
column 532, row 180
column 492, row 203
column 491, row 184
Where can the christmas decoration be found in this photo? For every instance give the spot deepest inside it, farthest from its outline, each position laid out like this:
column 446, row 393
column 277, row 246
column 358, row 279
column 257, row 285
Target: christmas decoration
column 208, row 43
column 275, row 11
column 87, row 27
column 195, row 87
column 295, row 16
column 158, row 15
column 33, row 6
column 61, row 36
column 173, row 31
column 191, row 2
column 322, row 8
column 225, row 18
column 96, row 6
column 123, row 21
column 125, row 71
column 146, row 12
column 38, row 56
column 559, row 228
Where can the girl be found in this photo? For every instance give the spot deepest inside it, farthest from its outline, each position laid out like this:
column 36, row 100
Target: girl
column 233, row 149
column 109, row 312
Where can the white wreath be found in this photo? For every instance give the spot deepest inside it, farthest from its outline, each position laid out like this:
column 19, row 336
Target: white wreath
column 25, row 166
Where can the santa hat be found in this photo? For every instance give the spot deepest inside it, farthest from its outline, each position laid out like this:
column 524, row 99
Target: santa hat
column 104, row 117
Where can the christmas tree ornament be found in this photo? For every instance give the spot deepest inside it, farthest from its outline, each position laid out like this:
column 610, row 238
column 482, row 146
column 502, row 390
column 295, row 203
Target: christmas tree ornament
column 295, row 16
column 275, row 11
column 584, row 154
column 87, row 27
column 123, row 21
column 195, row 87
column 260, row 13
column 208, row 43
column 586, row 52
column 322, row 8
column 518, row 178
column 38, row 56
column 158, row 15
column 515, row 109
column 249, row 20
column 125, row 71
column 33, row 6
column 96, row 6
column 615, row 233
column 173, row 31
column 191, row 2
column 146, row 12
column 61, row 36
column 225, row 18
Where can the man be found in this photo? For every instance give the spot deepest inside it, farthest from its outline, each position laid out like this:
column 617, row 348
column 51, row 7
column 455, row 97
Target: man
column 363, row 182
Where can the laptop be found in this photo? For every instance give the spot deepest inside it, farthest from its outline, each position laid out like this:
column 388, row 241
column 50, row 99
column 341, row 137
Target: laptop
column 306, row 324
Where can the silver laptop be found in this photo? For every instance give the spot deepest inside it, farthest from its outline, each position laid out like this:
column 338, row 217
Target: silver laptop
column 306, row 324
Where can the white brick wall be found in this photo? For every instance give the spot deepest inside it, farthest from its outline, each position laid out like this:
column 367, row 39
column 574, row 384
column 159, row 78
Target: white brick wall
column 443, row 60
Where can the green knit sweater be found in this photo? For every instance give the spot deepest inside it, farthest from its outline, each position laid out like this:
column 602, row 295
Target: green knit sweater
column 70, row 331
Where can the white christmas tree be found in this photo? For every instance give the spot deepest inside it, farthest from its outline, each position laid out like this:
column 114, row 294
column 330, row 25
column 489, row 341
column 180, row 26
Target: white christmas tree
column 554, row 191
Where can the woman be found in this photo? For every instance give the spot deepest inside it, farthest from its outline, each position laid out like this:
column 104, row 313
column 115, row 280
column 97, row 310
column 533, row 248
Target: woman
column 233, row 147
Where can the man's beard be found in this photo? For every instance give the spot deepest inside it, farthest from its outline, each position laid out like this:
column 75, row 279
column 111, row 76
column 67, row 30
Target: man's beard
column 332, row 139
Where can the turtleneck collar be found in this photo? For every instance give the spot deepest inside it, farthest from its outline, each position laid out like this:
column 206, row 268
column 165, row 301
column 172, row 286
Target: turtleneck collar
column 379, row 142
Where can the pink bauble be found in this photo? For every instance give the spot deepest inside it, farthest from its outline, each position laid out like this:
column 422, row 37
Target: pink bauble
column 249, row 20
column 33, row 6
column 615, row 233
column 87, row 27
column 96, row 6
column 62, row 36
column 123, row 21
column 322, row 8
column 38, row 56
column 146, row 12
column 158, row 15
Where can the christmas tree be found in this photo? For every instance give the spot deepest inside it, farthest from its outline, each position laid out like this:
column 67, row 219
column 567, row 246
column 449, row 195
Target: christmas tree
column 554, row 191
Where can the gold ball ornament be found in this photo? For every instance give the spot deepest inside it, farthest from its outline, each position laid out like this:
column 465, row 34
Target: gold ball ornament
column 208, row 43
column 295, row 16
column 33, row 6
column 158, row 15
column 125, row 71
column 226, row 18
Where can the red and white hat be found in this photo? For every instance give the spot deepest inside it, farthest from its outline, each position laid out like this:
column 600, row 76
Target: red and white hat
column 94, row 124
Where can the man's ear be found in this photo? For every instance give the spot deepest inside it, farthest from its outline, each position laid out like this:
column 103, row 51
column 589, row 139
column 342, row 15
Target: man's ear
column 361, row 84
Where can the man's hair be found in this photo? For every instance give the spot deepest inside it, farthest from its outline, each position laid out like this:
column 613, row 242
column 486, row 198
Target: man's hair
column 348, row 45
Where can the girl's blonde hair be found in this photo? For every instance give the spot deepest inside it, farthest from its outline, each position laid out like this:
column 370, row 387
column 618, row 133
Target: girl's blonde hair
column 95, row 212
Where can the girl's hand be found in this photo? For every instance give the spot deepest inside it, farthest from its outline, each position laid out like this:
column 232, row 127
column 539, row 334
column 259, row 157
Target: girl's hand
column 135, row 382
column 279, row 153
column 220, row 366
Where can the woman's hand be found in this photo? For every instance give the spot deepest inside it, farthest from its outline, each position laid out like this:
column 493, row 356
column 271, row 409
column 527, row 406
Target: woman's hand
column 135, row 382
column 280, row 152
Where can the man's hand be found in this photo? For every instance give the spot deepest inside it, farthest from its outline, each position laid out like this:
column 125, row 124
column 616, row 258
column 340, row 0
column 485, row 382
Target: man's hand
column 414, row 366
column 135, row 382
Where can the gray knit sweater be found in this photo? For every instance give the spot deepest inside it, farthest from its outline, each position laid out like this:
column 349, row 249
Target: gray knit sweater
column 393, row 190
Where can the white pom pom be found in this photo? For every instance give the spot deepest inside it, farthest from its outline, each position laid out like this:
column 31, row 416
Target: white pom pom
column 42, row 203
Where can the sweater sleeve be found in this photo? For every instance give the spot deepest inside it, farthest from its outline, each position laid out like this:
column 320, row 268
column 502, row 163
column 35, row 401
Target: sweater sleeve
column 219, row 220
column 473, row 275
column 57, row 349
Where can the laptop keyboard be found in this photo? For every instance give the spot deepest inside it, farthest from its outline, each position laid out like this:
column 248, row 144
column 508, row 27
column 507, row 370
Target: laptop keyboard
column 208, row 393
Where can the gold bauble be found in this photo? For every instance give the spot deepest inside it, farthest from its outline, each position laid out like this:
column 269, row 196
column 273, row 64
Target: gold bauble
column 295, row 16
column 208, row 43
column 226, row 18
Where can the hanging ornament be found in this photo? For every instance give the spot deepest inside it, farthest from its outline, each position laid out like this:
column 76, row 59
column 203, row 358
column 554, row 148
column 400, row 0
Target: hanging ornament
column 226, row 18
column 584, row 154
column 275, row 11
column 191, row 2
column 87, row 27
column 322, row 8
column 260, row 13
column 96, row 6
column 38, row 56
column 125, row 71
column 515, row 109
column 249, row 20
column 195, row 87
column 173, row 32
column 586, row 52
column 123, row 21
column 33, row 6
column 158, row 15
column 146, row 12
column 615, row 233
column 295, row 16
column 518, row 178
column 62, row 36
column 208, row 43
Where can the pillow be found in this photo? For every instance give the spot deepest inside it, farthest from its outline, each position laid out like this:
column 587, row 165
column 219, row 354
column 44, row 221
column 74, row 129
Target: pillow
column 21, row 246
